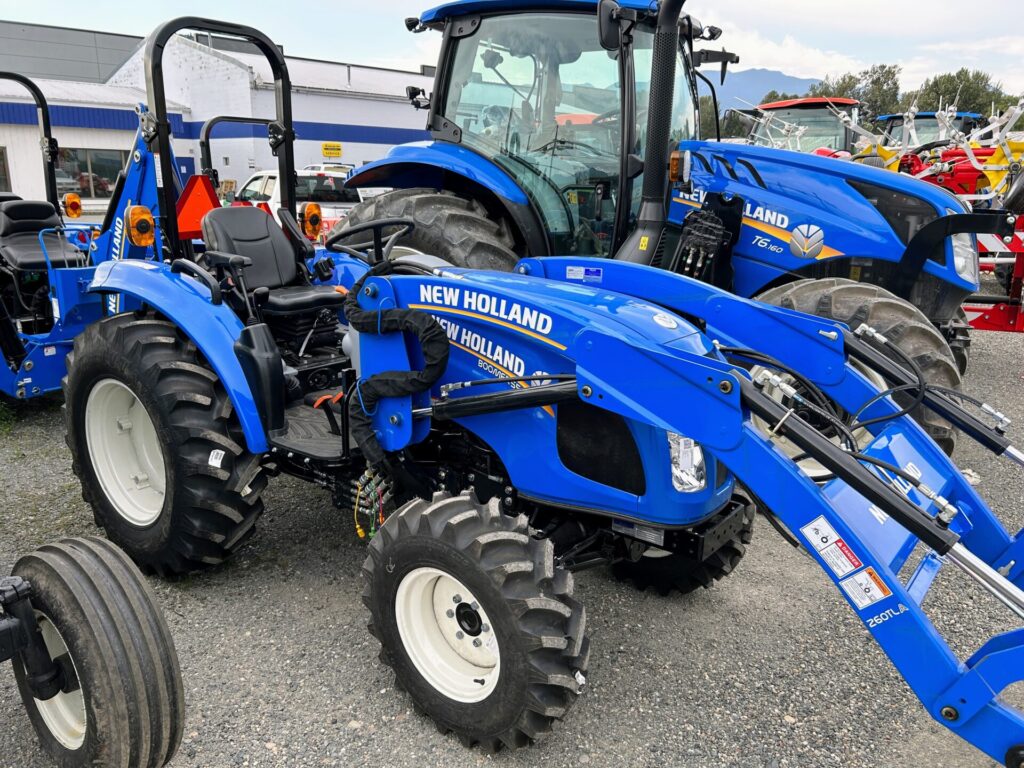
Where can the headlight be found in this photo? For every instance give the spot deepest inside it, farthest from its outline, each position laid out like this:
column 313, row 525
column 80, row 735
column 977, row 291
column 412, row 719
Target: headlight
column 688, row 471
column 965, row 255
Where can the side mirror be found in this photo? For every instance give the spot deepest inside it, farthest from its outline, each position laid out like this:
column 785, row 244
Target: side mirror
column 608, row 29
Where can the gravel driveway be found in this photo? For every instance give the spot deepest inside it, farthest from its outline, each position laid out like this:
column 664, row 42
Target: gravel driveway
column 768, row 668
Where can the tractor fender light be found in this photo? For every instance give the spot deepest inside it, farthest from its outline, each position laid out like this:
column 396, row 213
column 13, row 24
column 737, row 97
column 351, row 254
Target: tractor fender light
column 310, row 219
column 72, row 205
column 141, row 227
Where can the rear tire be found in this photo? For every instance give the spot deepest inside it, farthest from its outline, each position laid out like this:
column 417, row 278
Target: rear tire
column 478, row 624
column 203, row 500
column 128, row 708
column 673, row 572
column 904, row 324
column 448, row 226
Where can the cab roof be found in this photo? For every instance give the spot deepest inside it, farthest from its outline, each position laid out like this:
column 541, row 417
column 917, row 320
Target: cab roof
column 467, row 7
column 975, row 115
column 810, row 101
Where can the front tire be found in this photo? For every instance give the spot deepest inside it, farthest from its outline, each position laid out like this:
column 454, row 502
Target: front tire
column 478, row 624
column 667, row 572
column 124, row 707
column 901, row 322
column 448, row 226
column 157, row 447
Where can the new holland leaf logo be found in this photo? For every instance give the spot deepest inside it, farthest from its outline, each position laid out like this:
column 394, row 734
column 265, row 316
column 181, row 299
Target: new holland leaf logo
column 807, row 241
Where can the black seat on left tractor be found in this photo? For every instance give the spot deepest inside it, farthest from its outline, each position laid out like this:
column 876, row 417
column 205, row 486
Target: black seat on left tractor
column 251, row 232
column 21, row 221
column 6, row 197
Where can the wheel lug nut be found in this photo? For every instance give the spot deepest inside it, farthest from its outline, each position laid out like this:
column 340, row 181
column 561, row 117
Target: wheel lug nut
column 459, row 635
column 457, row 599
column 475, row 606
column 476, row 642
column 485, row 627
column 450, row 613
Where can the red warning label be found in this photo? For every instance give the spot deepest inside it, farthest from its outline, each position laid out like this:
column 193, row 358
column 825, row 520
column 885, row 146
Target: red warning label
column 833, row 550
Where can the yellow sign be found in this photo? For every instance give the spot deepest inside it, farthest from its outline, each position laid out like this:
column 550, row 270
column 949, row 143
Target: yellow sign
column 331, row 149
column 644, row 240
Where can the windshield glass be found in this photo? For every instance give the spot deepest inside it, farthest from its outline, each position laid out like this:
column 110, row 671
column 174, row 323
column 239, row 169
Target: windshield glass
column 801, row 129
column 537, row 94
column 324, row 188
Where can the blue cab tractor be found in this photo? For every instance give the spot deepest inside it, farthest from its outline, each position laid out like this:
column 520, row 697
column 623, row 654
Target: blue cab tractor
column 549, row 134
column 47, row 261
column 490, row 431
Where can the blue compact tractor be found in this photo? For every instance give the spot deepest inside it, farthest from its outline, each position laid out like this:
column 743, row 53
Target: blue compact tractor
column 549, row 129
column 491, row 425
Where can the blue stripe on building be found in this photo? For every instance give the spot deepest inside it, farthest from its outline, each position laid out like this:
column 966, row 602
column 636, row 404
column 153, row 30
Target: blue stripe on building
column 306, row 131
column 80, row 117
column 126, row 120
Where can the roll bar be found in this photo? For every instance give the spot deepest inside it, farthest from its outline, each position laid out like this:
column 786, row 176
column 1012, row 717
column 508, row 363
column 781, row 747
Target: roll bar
column 47, row 143
column 206, row 156
column 159, row 132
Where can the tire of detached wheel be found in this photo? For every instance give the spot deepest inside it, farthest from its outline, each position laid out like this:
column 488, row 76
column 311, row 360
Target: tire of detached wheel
column 448, row 226
column 123, row 704
column 668, row 572
column 479, row 626
column 157, row 446
column 901, row 322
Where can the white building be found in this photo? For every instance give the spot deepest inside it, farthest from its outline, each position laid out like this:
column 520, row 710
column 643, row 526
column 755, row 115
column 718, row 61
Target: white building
column 362, row 108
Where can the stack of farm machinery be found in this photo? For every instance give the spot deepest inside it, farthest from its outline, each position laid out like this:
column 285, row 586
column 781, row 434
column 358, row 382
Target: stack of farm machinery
column 554, row 345
column 979, row 161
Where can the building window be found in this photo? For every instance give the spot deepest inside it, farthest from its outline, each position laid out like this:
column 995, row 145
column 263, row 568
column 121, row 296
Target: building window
column 5, row 176
column 90, row 173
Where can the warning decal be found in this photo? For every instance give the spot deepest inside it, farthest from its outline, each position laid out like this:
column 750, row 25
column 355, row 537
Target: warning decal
column 833, row 550
column 865, row 588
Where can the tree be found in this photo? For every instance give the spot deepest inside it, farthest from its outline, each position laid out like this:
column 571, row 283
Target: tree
column 708, row 117
column 876, row 88
column 973, row 90
column 774, row 95
column 879, row 90
column 841, row 86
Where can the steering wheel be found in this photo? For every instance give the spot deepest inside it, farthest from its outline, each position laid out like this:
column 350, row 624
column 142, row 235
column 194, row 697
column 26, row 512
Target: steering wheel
column 381, row 249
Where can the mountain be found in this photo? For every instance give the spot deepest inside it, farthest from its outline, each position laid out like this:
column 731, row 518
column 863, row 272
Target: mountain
column 751, row 84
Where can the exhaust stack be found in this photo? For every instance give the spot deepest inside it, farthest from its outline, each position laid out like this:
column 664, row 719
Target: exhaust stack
column 641, row 245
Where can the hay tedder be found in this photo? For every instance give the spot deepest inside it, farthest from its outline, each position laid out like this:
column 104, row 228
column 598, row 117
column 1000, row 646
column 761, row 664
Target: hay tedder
column 489, row 432
column 93, row 658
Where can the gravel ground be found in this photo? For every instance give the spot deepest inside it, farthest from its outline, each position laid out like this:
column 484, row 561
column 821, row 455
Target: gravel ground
column 769, row 668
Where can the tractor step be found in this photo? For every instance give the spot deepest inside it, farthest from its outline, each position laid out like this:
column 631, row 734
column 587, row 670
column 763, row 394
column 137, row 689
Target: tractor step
column 308, row 434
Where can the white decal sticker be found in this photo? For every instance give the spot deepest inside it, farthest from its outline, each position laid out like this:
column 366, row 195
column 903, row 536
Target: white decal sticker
column 585, row 274
column 833, row 550
column 666, row 321
column 486, row 304
column 216, row 457
column 865, row 588
column 49, row 351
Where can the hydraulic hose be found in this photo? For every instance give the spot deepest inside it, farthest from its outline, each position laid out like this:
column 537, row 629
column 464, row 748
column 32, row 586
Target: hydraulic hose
column 433, row 341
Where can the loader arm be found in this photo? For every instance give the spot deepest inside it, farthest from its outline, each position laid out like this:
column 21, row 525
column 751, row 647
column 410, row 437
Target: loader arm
column 859, row 527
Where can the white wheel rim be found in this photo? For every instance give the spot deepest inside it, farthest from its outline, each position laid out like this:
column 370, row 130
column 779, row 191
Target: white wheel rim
column 447, row 635
column 64, row 714
column 125, row 452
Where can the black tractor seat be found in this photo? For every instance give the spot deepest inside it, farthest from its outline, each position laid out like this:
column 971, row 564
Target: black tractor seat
column 252, row 233
column 21, row 221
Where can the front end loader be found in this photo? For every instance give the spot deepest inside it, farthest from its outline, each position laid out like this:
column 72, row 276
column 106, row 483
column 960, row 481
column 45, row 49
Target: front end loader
column 490, row 432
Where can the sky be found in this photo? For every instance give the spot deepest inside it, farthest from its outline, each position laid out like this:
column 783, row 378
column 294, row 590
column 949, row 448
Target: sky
column 804, row 38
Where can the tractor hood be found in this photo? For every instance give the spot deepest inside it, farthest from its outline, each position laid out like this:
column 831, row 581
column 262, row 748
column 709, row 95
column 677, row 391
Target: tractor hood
column 801, row 210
